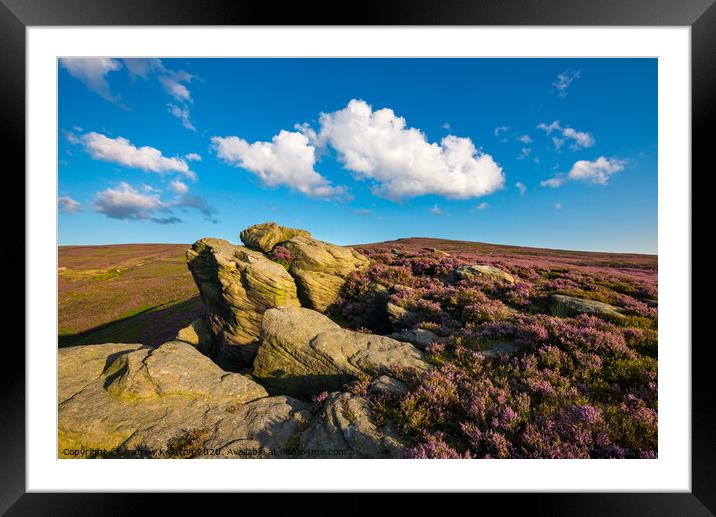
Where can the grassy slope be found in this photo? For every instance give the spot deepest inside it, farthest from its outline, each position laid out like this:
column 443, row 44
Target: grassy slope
column 144, row 292
column 125, row 293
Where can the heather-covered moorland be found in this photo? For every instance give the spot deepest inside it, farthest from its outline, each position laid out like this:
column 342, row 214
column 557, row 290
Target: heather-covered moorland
column 420, row 348
column 575, row 386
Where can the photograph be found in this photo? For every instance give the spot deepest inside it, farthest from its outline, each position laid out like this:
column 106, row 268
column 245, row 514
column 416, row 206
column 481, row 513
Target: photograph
column 357, row 258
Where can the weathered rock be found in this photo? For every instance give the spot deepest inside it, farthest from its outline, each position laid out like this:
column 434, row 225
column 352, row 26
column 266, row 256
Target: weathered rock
column 237, row 285
column 437, row 252
column 475, row 270
column 375, row 317
column 388, row 385
column 494, row 348
column 198, row 334
column 137, row 399
column 263, row 237
column 402, row 318
column 320, row 269
column 562, row 305
column 346, row 423
column 421, row 338
column 303, row 352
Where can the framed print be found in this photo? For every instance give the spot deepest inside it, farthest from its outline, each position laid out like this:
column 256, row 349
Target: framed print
column 454, row 244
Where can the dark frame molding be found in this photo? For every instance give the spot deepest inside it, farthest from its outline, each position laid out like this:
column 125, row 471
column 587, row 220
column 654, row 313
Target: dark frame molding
column 700, row 15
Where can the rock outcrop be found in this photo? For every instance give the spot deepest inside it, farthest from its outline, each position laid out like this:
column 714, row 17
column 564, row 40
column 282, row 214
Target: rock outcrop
column 237, row 285
column 320, row 269
column 475, row 270
column 263, row 237
column 564, row 306
column 402, row 318
column 135, row 399
column 198, row 334
column 421, row 338
column 303, row 353
column 388, row 385
column 346, row 423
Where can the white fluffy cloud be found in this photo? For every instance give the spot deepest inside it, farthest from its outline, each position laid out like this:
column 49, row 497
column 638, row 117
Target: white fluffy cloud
column 564, row 81
column 596, row 172
column 120, row 150
column 93, row 73
column 378, row 145
column 193, row 157
column 580, row 139
column 68, row 205
column 125, row 202
column 288, row 159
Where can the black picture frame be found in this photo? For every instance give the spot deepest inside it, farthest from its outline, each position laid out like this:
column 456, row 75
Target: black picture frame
column 700, row 15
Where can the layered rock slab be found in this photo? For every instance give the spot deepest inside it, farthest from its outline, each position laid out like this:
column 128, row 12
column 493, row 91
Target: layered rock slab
column 303, row 353
column 237, row 285
column 135, row 398
column 320, row 269
column 263, row 237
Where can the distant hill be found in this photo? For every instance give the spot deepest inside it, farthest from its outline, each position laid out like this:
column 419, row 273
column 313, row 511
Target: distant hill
column 507, row 252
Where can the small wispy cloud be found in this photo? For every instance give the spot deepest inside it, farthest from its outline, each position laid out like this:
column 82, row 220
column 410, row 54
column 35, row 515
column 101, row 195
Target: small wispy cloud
column 580, row 139
column 178, row 187
column 564, row 81
column 597, row 172
column 500, row 133
column 521, row 187
column 524, row 153
column 436, row 210
column 361, row 211
column 482, row 206
column 182, row 114
column 525, row 139
column 558, row 206
column 68, row 205
column 93, row 73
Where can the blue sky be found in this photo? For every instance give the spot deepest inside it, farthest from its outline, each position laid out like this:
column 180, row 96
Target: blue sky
column 557, row 153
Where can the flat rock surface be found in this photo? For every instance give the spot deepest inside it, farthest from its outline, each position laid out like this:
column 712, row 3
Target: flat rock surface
column 561, row 305
column 475, row 270
column 140, row 399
